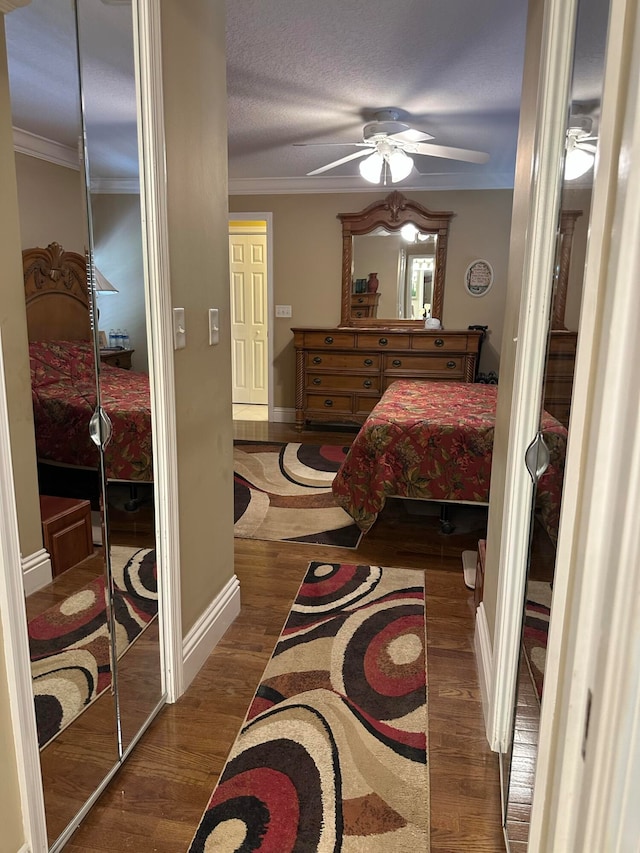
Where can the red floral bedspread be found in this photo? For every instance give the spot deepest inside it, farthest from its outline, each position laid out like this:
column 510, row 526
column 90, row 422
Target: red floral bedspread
column 434, row 440
column 64, row 398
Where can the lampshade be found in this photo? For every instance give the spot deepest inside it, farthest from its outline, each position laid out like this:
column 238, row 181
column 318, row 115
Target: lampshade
column 577, row 162
column 371, row 168
column 400, row 165
column 102, row 284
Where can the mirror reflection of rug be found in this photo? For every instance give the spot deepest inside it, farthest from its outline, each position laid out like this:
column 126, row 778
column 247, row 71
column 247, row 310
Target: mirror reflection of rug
column 536, row 630
column 69, row 643
column 332, row 754
column 282, row 492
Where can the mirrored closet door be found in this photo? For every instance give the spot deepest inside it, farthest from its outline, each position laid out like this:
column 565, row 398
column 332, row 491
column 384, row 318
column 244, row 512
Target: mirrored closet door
column 554, row 425
column 94, row 633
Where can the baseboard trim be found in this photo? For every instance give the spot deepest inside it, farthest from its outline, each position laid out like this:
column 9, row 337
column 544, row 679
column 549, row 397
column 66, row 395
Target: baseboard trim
column 484, row 660
column 284, row 416
column 208, row 630
column 36, row 571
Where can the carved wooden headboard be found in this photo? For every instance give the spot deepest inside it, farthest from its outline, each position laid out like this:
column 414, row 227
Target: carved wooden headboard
column 55, row 288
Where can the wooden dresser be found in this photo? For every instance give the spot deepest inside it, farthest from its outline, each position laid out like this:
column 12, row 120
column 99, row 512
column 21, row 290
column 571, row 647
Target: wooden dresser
column 558, row 384
column 342, row 373
column 364, row 304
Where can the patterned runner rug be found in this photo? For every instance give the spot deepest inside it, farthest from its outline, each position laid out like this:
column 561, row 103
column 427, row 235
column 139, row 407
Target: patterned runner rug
column 283, row 493
column 69, row 643
column 332, row 754
column 536, row 630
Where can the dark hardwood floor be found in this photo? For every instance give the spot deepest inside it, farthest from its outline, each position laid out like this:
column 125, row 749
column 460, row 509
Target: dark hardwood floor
column 156, row 800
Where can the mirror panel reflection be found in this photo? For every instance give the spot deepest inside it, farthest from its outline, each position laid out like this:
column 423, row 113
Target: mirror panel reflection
column 93, row 625
column 571, row 245
column 393, row 263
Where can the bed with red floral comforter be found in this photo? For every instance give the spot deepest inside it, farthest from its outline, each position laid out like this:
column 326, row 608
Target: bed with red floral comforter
column 434, row 440
column 64, row 397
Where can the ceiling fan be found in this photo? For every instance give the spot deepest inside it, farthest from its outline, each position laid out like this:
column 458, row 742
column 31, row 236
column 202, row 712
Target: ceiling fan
column 387, row 143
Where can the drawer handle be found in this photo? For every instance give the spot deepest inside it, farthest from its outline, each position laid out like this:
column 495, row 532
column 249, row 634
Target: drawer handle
column 328, row 403
column 451, row 365
column 439, row 342
column 361, row 300
column 367, row 383
column 383, row 342
column 396, row 362
column 368, row 362
column 317, row 380
column 328, row 339
column 317, row 360
column 359, row 314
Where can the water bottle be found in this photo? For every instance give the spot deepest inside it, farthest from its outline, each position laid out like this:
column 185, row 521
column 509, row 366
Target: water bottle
column 125, row 339
column 119, row 338
column 112, row 338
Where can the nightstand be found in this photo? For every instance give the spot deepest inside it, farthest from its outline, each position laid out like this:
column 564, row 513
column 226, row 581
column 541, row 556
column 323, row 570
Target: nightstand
column 66, row 531
column 117, row 357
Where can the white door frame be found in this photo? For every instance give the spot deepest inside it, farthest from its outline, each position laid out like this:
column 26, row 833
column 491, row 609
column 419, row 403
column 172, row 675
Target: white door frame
column 268, row 218
column 590, row 802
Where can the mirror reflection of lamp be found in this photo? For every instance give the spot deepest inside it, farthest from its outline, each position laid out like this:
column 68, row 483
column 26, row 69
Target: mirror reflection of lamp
column 580, row 154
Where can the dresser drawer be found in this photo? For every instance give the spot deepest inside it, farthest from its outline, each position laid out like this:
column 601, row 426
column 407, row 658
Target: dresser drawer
column 342, row 382
column 333, row 339
column 364, row 404
column 330, row 402
column 560, row 367
column 380, row 340
column 449, row 367
column 342, row 361
column 440, row 342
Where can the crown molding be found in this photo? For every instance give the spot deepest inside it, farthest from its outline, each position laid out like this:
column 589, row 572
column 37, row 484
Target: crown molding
column 45, row 149
column 331, row 184
column 116, row 186
column 7, row 6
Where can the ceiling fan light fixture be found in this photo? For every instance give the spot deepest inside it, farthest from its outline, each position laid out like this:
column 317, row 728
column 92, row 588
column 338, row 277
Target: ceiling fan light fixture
column 400, row 165
column 579, row 157
column 371, row 167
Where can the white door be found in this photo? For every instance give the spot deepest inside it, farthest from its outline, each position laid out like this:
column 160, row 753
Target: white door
column 248, row 271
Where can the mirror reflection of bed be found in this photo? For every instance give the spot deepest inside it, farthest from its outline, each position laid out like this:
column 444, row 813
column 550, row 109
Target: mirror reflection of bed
column 80, row 749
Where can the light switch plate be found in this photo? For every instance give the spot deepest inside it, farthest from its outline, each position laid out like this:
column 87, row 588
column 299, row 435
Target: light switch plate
column 214, row 326
column 179, row 329
column 283, row 310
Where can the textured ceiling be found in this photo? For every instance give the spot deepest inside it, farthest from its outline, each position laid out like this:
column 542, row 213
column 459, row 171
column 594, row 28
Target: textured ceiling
column 301, row 71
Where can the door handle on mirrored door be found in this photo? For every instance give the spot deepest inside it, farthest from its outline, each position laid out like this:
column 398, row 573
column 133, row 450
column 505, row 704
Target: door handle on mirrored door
column 100, row 428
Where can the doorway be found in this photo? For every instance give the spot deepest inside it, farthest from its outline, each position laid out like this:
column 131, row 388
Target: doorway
column 251, row 300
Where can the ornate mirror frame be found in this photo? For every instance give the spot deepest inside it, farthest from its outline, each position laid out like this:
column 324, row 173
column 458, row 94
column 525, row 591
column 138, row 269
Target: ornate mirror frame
column 392, row 213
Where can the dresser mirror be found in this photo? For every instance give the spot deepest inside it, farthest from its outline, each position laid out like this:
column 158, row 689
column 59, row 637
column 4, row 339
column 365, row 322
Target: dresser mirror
column 405, row 244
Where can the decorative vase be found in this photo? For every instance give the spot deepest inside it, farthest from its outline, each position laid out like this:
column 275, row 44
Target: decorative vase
column 372, row 283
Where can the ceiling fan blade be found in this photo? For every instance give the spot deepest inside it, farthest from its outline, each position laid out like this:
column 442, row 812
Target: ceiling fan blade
column 339, row 162
column 448, row 153
column 410, row 135
column 586, row 146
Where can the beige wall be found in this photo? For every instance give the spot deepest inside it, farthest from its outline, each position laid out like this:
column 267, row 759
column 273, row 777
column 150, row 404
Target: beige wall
column 195, row 119
column 50, row 203
column 14, row 338
column 117, row 240
column 307, row 262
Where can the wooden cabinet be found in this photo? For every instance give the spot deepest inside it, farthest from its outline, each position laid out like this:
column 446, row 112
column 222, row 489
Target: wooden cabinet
column 364, row 304
column 342, row 373
column 117, row 358
column 558, row 384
